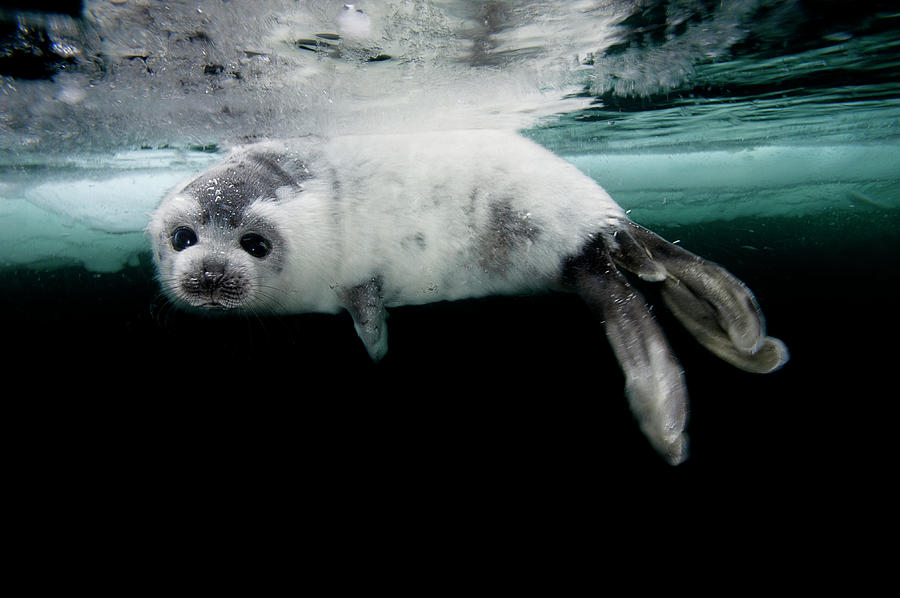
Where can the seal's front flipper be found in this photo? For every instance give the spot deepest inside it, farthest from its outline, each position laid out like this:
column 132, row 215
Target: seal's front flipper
column 364, row 303
column 654, row 383
column 717, row 308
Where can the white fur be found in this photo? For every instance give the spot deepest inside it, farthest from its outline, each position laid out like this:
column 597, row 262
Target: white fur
column 412, row 210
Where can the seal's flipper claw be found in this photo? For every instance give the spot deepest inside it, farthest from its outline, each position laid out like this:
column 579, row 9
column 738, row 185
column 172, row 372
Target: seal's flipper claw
column 364, row 303
column 700, row 319
column 629, row 253
column 732, row 305
column 654, row 383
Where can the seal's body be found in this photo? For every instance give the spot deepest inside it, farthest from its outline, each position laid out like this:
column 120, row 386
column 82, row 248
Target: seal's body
column 434, row 216
column 367, row 222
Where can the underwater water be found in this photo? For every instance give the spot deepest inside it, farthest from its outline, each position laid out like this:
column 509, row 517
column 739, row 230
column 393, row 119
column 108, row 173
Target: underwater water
column 760, row 135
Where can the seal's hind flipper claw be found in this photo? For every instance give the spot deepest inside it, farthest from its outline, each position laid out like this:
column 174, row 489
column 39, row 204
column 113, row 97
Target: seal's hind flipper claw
column 629, row 253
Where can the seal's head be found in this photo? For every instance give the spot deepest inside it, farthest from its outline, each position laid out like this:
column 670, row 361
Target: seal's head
column 217, row 241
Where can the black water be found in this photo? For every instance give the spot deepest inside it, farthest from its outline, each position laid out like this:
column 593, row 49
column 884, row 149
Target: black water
column 511, row 395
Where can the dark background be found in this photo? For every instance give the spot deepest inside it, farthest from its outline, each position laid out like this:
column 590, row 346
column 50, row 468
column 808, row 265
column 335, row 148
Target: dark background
column 516, row 397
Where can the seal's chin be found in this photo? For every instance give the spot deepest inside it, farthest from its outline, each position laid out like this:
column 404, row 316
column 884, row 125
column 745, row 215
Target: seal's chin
column 209, row 305
column 216, row 305
column 209, row 309
column 213, row 306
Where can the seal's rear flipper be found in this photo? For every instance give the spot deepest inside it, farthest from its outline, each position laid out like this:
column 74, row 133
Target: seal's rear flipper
column 717, row 308
column 364, row 303
column 700, row 319
column 654, row 383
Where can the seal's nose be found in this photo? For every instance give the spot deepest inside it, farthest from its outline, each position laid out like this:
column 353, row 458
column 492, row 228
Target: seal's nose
column 213, row 271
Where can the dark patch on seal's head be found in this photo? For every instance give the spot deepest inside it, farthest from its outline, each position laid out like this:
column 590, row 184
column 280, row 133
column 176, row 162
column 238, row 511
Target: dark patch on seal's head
column 507, row 230
column 226, row 192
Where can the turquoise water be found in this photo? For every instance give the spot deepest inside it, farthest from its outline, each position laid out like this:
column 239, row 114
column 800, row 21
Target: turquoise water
column 778, row 158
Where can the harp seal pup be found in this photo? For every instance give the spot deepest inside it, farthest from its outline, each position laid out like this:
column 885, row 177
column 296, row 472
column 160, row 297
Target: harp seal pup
column 363, row 223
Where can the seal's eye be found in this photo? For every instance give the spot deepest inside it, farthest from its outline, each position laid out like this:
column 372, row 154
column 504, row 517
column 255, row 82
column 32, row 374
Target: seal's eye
column 183, row 237
column 256, row 245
